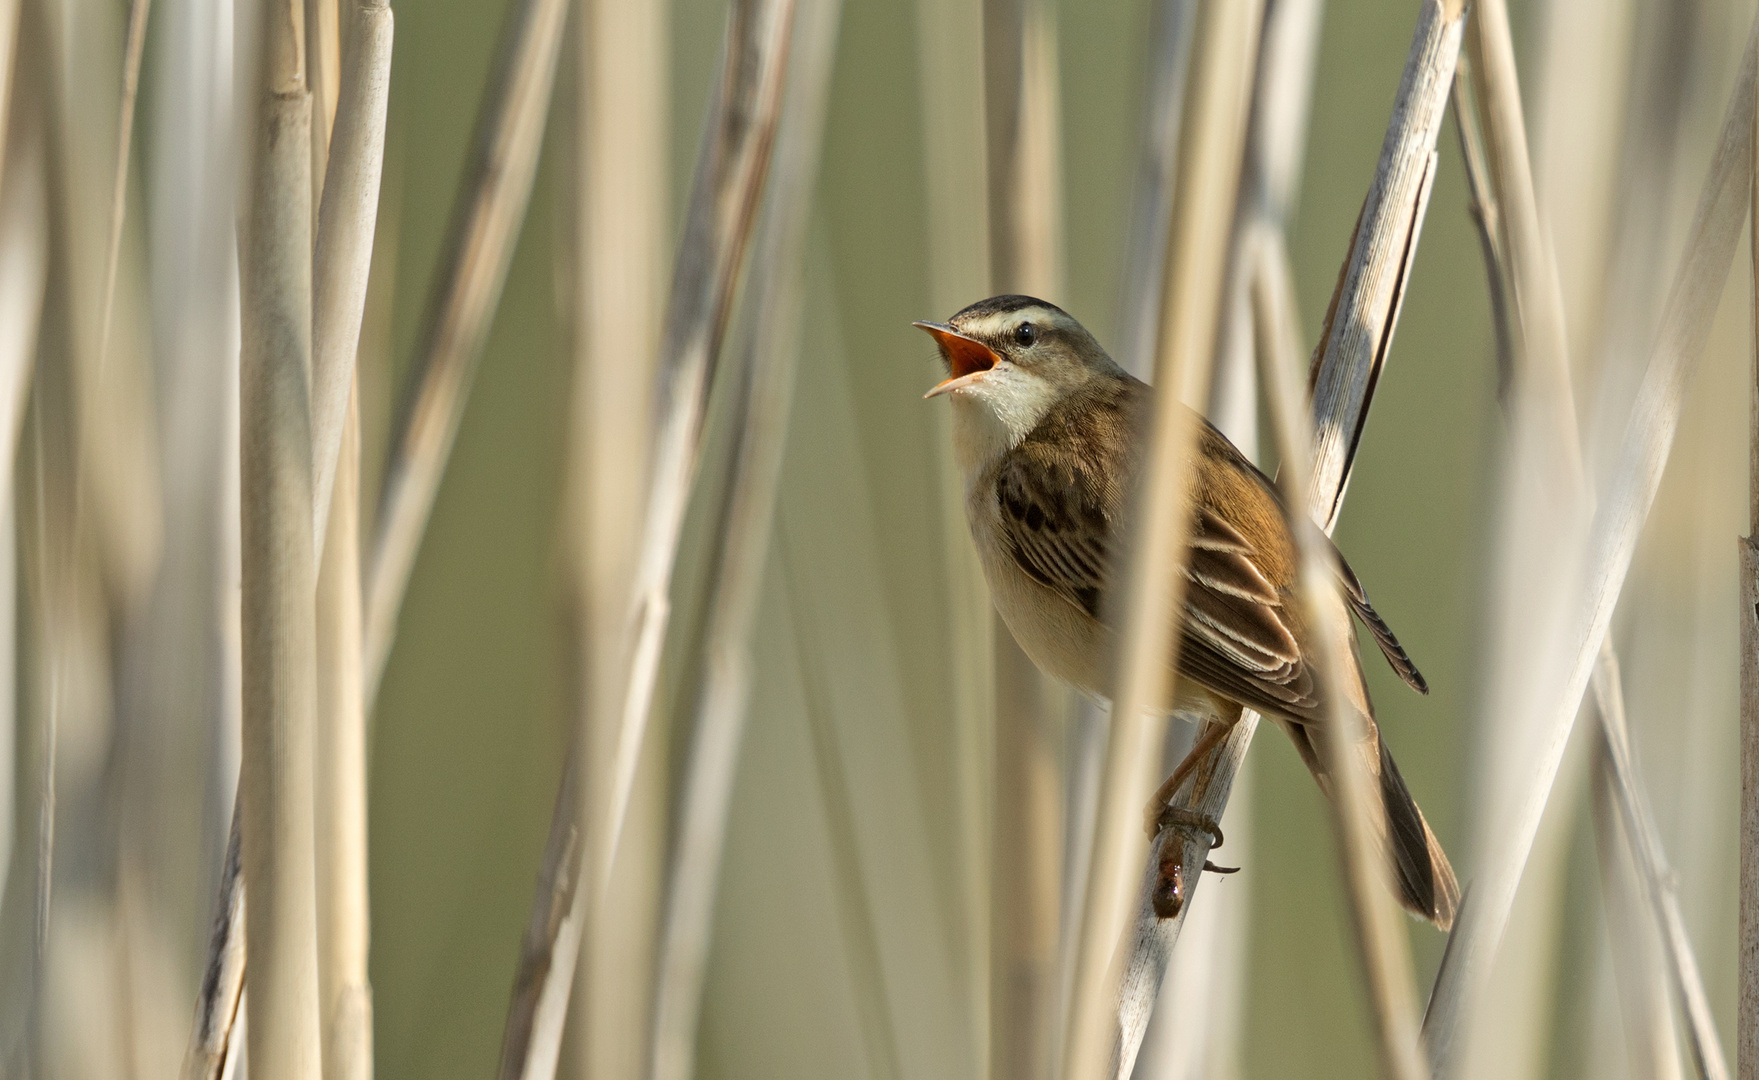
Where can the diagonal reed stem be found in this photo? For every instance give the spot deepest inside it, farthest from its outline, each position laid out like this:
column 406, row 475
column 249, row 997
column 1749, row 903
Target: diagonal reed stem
column 1722, row 208
column 731, row 171
column 1211, row 150
column 1542, row 356
column 1358, row 335
column 771, row 347
column 493, row 194
column 1380, row 933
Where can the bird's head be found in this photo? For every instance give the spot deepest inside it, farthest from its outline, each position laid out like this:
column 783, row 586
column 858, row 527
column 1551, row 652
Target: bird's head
column 1010, row 360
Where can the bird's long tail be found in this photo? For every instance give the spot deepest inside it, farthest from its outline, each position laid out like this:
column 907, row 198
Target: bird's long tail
column 1426, row 880
column 1423, row 877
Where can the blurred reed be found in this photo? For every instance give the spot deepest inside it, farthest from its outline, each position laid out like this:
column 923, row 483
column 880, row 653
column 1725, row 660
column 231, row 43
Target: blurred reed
column 1212, row 142
column 731, row 173
column 770, row 345
column 1025, row 196
column 613, row 201
column 1611, row 541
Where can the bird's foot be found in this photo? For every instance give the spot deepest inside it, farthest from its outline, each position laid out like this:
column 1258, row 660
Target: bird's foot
column 1177, row 817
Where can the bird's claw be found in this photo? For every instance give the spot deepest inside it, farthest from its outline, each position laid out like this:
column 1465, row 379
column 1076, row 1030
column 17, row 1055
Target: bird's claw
column 1166, row 817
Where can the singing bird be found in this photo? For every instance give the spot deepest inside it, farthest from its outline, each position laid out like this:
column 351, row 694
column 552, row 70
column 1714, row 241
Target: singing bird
column 1049, row 434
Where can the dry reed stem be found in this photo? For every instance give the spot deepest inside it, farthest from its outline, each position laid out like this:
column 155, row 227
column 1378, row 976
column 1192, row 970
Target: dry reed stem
column 1211, row 151
column 136, row 44
column 617, row 206
column 1685, row 326
column 344, row 915
column 493, row 194
column 951, row 91
column 1196, row 1024
column 1644, row 840
column 342, row 261
column 1639, row 972
column 24, row 271
column 1346, row 367
column 731, row 171
column 1139, row 323
column 275, row 772
column 1380, row 933
column 1747, row 934
column 1359, row 329
column 774, row 300
column 1543, row 353
column 1151, row 213
column 1026, row 828
column 218, row 1030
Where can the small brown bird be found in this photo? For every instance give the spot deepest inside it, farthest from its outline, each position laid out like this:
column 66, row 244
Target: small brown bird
column 1049, row 435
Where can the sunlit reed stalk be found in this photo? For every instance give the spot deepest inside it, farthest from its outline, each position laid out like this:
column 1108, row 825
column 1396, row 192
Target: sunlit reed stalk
column 1026, row 820
column 492, row 196
column 280, row 685
column 1542, row 356
column 1638, row 970
column 774, row 301
column 1346, row 367
column 1612, row 539
column 1211, row 150
column 340, row 268
column 1198, row 1017
column 1139, row 317
column 1655, row 876
column 347, row 217
column 345, row 994
column 1379, row 931
column 731, row 171
column 615, row 200
column 1747, row 1021
column 951, row 91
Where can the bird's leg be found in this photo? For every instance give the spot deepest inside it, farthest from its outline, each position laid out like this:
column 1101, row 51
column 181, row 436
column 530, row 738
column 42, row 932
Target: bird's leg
column 1154, row 815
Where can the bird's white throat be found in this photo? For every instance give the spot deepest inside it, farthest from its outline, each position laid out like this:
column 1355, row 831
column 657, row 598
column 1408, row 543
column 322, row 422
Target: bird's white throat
column 994, row 413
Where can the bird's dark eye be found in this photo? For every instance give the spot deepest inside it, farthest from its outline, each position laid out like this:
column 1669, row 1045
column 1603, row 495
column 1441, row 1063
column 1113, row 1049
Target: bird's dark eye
column 1025, row 334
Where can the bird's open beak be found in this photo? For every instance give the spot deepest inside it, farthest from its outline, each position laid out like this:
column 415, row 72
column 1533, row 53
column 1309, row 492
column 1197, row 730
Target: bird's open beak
column 967, row 358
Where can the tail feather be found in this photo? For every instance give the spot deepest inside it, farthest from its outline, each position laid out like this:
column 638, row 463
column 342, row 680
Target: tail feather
column 1425, row 880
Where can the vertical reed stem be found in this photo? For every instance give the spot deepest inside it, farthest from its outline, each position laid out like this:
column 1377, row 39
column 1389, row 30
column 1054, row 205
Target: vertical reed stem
column 345, row 994
column 1211, row 150
column 1747, row 1018
column 275, row 775
column 1026, row 221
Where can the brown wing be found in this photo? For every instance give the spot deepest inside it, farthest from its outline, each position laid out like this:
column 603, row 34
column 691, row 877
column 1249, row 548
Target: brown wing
column 1061, row 498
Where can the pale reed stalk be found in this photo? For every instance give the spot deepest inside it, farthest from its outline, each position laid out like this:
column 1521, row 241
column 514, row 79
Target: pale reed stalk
column 1379, row 930
column 1359, row 330
column 492, row 197
column 617, row 206
column 279, row 584
column 1611, row 541
column 1198, row 1019
column 1747, row 942
column 347, row 219
column 951, row 88
column 731, row 172
column 344, row 914
column 1026, row 827
column 1211, row 151
column 774, row 304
